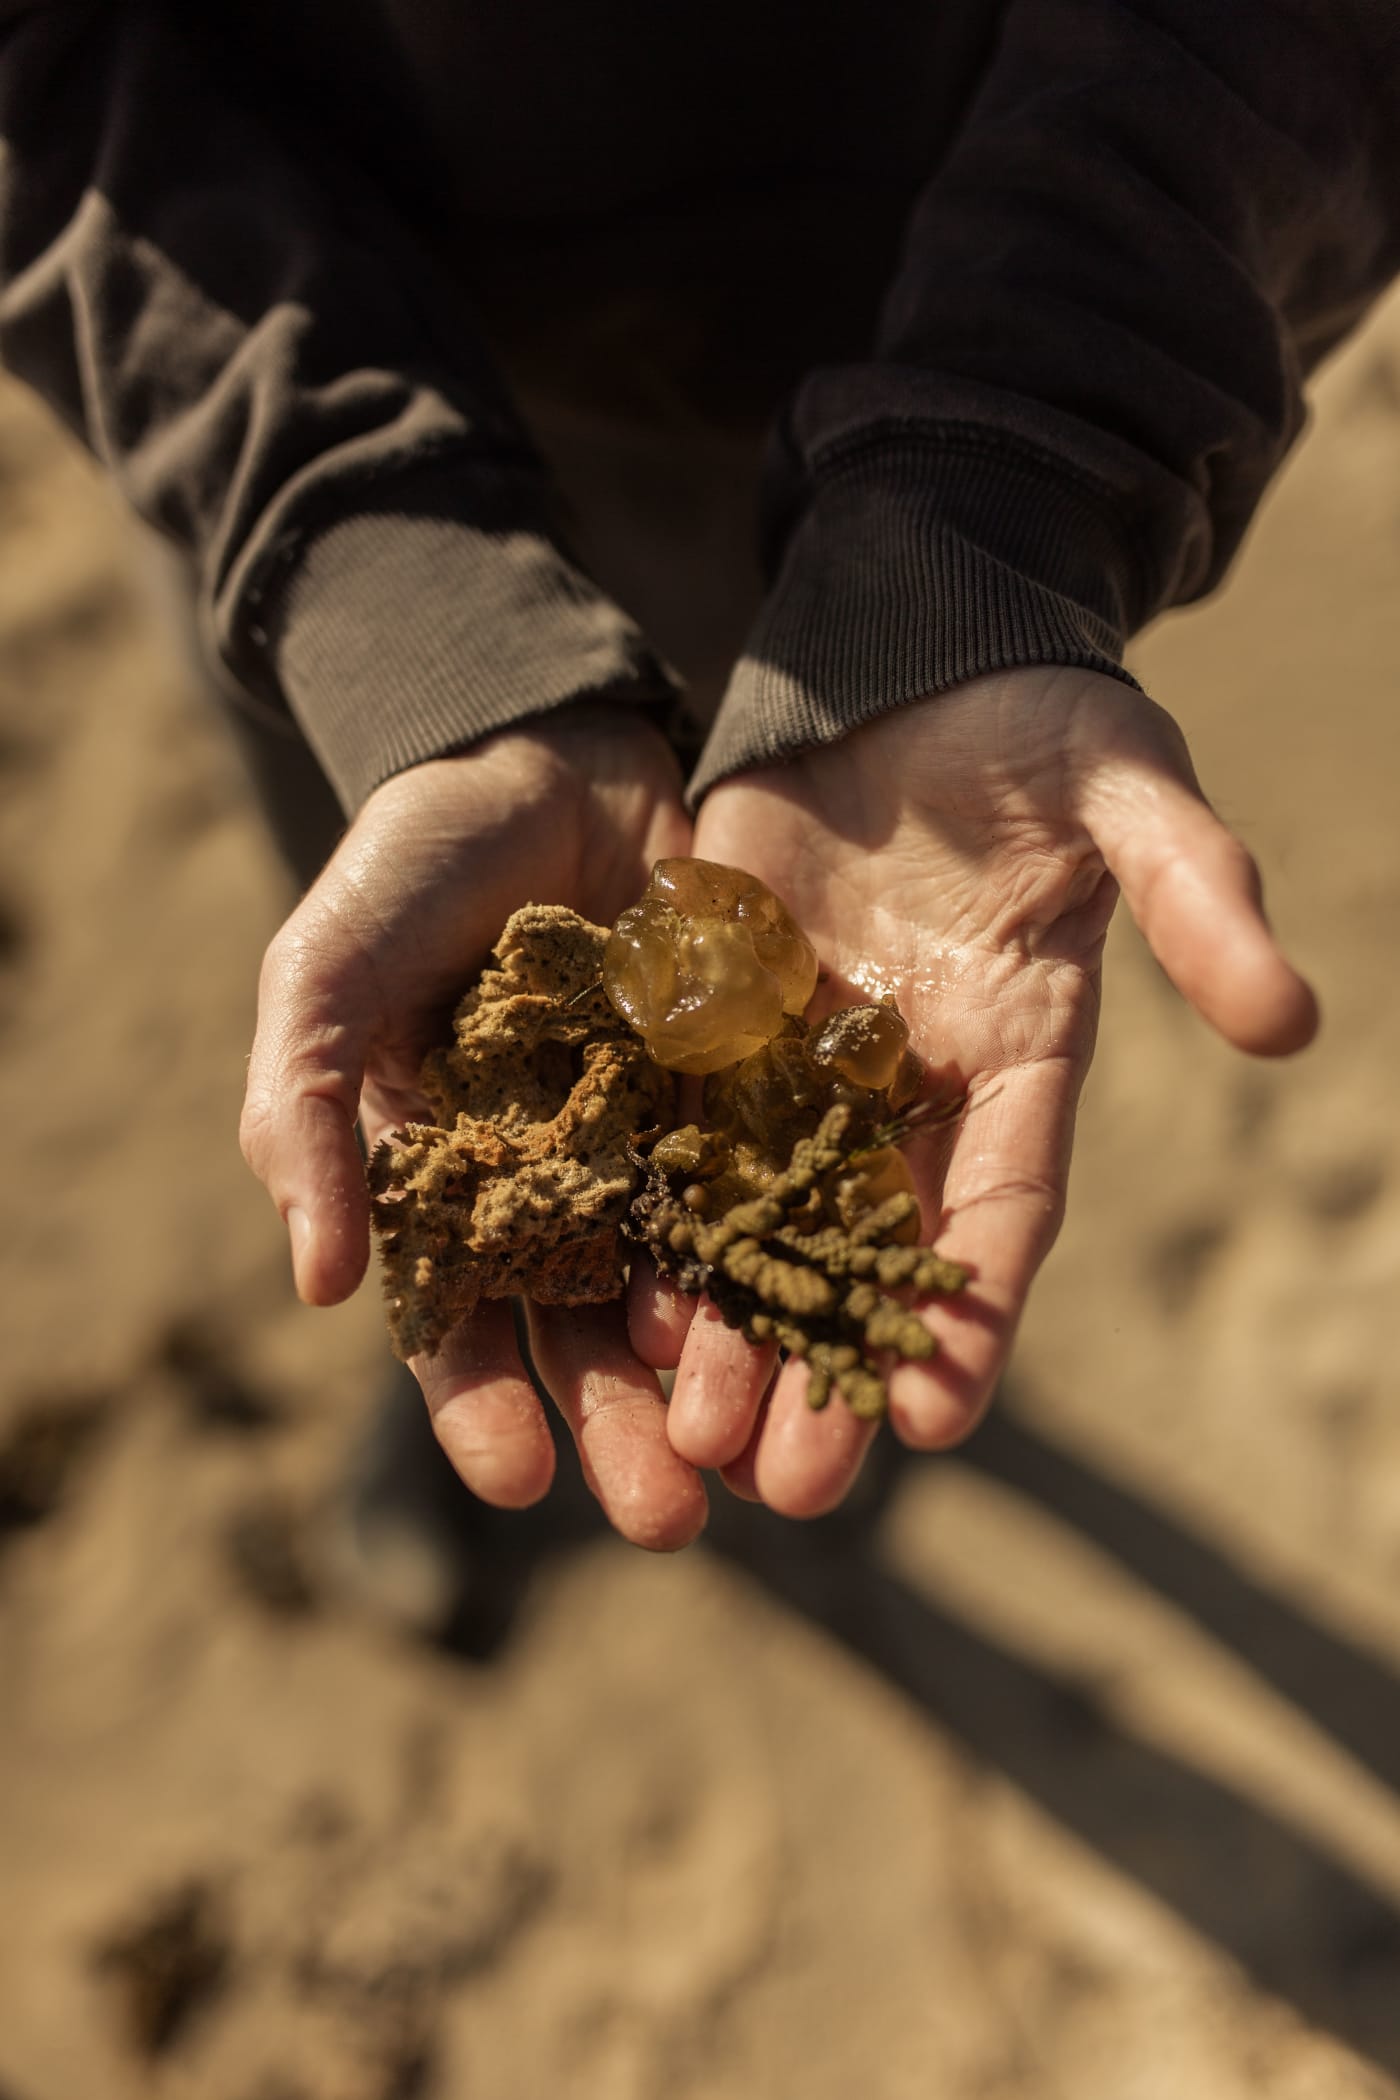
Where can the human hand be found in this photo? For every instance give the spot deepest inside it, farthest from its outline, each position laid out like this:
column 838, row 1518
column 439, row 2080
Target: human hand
column 966, row 853
column 358, row 984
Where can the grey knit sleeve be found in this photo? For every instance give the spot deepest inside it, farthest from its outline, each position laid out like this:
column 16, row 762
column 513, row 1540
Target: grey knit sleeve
column 280, row 380
column 1156, row 217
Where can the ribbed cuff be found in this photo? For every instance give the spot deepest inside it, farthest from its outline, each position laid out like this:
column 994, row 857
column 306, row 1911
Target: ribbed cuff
column 407, row 631
column 924, row 557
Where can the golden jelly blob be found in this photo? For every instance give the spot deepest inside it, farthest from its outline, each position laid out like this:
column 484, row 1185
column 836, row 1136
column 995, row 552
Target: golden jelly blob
column 706, row 965
column 865, row 1044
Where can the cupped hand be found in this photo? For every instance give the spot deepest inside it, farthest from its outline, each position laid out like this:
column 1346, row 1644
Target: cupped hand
column 356, row 986
column 965, row 853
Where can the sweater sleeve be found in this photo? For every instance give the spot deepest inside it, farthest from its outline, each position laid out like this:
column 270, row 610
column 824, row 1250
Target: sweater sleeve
column 1157, row 216
column 282, row 382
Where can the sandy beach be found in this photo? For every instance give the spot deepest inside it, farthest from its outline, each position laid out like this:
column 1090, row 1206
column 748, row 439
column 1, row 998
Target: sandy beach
column 1072, row 1769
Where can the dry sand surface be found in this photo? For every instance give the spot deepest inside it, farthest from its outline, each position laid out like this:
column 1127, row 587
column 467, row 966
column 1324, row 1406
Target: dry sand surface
column 1073, row 1771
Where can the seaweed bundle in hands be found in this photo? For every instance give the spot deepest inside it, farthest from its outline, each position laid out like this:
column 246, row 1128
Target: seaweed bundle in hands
column 792, row 1207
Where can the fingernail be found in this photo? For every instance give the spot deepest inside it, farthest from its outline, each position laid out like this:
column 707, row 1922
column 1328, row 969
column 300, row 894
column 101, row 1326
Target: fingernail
column 299, row 1232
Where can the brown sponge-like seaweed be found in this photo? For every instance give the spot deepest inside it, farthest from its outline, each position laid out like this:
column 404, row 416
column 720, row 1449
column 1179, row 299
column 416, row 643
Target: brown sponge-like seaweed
column 520, row 1186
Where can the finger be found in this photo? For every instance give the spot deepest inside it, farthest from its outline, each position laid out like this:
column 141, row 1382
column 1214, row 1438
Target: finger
column 807, row 1457
column 658, row 1315
column 486, row 1415
column 740, row 1475
column 298, row 1125
column 614, row 1408
column 1003, row 1202
column 1195, row 891
column 720, row 1381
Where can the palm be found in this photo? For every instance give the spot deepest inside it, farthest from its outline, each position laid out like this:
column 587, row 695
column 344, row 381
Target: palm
column 956, row 853
column 974, row 894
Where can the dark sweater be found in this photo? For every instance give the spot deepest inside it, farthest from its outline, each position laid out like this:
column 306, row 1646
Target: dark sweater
column 1027, row 291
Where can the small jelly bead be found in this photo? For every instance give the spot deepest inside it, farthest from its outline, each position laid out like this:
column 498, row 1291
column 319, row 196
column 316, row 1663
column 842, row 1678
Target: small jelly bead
column 688, row 1150
column 870, row 1181
column 705, row 965
column 863, row 1043
column 767, row 1094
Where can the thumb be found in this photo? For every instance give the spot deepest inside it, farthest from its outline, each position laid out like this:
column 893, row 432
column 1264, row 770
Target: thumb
column 1194, row 889
column 298, row 1124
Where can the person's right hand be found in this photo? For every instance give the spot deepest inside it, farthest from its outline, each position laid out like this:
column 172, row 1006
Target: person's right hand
column 355, row 988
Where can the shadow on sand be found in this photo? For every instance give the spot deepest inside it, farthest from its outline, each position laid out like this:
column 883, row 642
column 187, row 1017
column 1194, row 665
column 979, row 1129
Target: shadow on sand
column 1304, row 1926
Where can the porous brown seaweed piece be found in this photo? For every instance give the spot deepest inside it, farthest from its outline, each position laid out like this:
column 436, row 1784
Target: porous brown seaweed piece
column 795, row 1212
column 520, row 1186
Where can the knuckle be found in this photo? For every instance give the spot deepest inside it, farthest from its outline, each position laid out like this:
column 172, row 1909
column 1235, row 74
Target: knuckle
column 255, row 1130
column 1240, row 865
column 292, row 961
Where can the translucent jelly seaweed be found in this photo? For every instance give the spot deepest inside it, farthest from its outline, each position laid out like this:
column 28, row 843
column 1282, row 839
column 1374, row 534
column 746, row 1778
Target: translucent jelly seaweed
column 706, row 965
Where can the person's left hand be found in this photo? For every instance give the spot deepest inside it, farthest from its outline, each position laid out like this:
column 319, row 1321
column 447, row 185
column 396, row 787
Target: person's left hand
column 965, row 854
